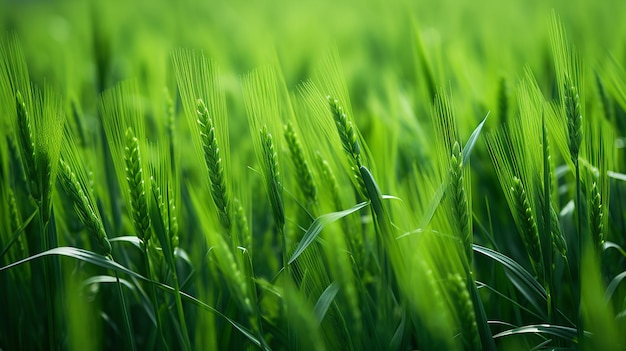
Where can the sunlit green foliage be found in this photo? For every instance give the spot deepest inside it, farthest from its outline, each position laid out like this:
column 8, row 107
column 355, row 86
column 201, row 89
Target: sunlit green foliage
column 329, row 175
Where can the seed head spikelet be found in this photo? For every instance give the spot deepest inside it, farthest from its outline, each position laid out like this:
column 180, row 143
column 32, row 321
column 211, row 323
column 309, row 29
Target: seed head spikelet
column 574, row 118
column 170, row 113
column 329, row 181
column 241, row 221
column 569, row 77
column 84, row 206
column 460, row 208
column 137, row 186
column 163, row 184
column 214, row 164
column 465, row 312
column 260, row 90
column 40, row 134
column 301, row 165
column 601, row 153
column 346, row 130
column 273, row 175
column 559, row 244
column 455, row 177
column 50, row 120
column 27, row 145
column 595, row 216
column 530, row 234
column 226, row 261
column 569, row 71
column 124, row 125
column 349, row 141
column 204, row 103
column 330, row 88
column 200, row 78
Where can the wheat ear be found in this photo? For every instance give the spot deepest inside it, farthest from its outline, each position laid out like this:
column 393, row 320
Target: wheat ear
column 530, row 234
column 211, row 150
column 137, row 187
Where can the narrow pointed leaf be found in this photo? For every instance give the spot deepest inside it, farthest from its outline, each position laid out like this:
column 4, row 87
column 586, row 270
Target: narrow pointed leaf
column 318, row 224
column 324, row 301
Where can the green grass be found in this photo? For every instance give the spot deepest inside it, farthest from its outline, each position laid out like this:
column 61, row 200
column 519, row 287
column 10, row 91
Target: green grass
column 385, row 175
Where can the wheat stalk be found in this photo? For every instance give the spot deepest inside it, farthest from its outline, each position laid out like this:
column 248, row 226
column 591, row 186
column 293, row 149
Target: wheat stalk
column 465, row 312
column 213, row 160
column 303, row 170
column 137, row 187
column 27, row 146
column 459, row 198
column 559, row 245
column 574, row 118
column 273, row 176
column 349, row 141
column 596, row 217
column 84, row 206
column 242, row 224
column 330, row 181
column 529, row 232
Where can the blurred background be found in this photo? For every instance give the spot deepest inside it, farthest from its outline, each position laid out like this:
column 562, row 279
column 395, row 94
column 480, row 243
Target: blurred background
column 82, row 47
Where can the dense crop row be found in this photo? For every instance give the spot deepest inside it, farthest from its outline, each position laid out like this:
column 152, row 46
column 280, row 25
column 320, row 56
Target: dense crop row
column 188, row 209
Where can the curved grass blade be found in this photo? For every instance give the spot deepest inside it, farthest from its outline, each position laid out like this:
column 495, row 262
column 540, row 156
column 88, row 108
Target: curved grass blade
column 103, row 262
column 520, row 277
column 466, row 153
column 617, row 176
column 133, row 240
column 107, row 279
column 317, row 226
column 481, row 285
column 18, row 232
column 567, row 333
column 324, row 301
column 610, row 290
column 471, row 141
column 610, row 245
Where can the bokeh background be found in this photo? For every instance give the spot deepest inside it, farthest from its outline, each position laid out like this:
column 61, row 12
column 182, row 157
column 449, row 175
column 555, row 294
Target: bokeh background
column 476, row 41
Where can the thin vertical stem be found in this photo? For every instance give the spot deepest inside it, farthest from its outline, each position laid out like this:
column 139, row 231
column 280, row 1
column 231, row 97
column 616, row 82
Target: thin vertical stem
column 179, row 308
column 581, row 330
column 48, row 284
column 127, row 326
column 153, row 295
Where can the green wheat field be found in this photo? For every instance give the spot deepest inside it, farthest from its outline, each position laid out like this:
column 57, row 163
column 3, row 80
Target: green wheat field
column 323, row 175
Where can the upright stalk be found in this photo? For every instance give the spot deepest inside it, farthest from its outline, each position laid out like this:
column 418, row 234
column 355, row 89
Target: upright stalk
column 578, row 288
column 127, row 326
column 153, row 296
column 179, row 307
column 547, row 225
column 48, row 284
